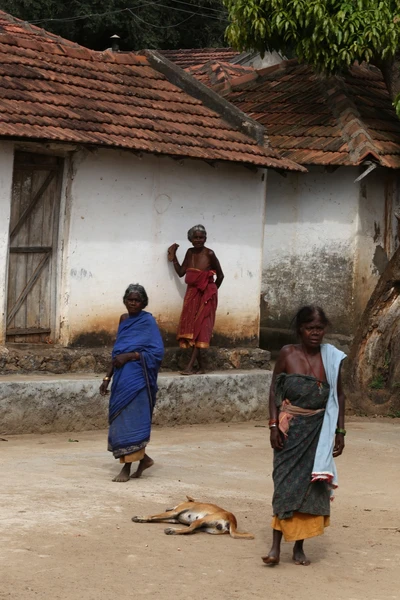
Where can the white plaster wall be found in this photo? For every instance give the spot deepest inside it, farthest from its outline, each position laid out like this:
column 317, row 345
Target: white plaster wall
column 375, row 233
column 6, row 172
column 309, row 245
column 255, row 60
column 269, row 60
column 124, row 212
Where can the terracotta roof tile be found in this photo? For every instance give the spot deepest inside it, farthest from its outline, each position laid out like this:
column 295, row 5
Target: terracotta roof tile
column 220, row 75
column 313, row 120
column 185, row 58
column 53, row 89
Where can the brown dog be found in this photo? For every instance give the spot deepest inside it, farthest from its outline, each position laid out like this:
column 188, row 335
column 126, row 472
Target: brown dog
column 207, row 517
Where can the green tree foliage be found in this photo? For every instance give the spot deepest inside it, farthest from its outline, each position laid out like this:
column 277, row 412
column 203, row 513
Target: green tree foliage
column 139, row 23
column 327, row 34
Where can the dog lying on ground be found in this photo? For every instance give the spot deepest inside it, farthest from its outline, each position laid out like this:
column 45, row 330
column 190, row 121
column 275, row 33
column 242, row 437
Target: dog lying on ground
column 205, row 517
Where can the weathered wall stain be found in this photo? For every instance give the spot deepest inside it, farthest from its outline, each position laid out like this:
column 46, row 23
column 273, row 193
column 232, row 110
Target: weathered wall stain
column 162, row 203
column 80, row 274
column 377, row 231
column 93, row 339
column 309, row 246
column 380, row 259
column 323, row 277
column 228, row 332
column 326, row 241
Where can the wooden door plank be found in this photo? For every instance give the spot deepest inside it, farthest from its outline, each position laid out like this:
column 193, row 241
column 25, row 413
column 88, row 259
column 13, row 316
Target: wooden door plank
column 29, row 249
column 28, row 287
column 12, row 289
column 37, row 182
column 32, row 204
column 37, row 167
column 27, row 331
column 36, row 224
column 19, row 282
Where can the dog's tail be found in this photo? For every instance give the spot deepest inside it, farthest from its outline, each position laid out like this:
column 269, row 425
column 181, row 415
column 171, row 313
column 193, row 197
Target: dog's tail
column 239, row 535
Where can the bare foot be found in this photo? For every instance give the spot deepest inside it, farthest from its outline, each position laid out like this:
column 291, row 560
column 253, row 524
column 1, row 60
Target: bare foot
column 124, row 474
column 271, row 559
column 299, row 558
column 187, row 372
column 144, row 464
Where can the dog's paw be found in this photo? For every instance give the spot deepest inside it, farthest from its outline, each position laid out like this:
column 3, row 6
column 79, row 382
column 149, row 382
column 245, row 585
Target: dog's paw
column 169, row 531
column 137, row 519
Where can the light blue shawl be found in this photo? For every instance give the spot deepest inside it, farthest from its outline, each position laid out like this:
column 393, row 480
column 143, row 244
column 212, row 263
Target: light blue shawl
column 324, row 466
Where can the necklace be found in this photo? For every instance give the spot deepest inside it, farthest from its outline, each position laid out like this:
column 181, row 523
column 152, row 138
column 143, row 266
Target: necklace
column 319, row 382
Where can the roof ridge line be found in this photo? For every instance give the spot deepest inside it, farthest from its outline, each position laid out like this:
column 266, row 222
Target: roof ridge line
column 230, row 72
column 282, row 66
column 354, row 131
column 189, row 84
column 32, row 28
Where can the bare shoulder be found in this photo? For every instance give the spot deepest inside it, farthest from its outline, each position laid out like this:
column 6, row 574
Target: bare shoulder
column 284, row 357
column 210, row 252
column 123, row 317
column 288, row 350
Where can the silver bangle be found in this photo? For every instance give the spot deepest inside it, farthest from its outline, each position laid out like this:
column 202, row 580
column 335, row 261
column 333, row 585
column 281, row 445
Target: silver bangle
column 271, row 426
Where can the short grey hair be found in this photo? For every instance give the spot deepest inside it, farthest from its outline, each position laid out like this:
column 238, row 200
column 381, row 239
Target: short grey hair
column 138, row 289
column 193, row 230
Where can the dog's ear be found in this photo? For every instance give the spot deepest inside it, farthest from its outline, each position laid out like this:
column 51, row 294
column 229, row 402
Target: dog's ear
column 190, row 499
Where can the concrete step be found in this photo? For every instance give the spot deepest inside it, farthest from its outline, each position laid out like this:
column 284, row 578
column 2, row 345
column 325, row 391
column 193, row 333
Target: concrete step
column 45, row 358
column 71, row 402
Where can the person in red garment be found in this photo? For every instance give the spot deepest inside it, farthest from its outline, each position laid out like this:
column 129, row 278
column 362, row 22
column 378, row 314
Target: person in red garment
column 200, row 266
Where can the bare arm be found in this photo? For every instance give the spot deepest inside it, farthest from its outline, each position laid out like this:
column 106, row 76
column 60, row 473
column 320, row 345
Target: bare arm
column 180, row 270
column 217, row 267
column 276, row 438
column 339, row 437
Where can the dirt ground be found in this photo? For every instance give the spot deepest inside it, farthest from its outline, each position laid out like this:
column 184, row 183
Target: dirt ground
column 67, row 534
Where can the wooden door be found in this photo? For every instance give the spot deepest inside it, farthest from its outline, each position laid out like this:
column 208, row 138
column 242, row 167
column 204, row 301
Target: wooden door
column 33, row 247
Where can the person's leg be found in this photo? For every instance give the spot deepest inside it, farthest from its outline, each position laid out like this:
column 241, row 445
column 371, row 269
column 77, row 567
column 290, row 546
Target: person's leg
column 273, row 555
column 144, row 464
column 200, row 362
column 124, row 474
column 299, row 557
column 189, row 368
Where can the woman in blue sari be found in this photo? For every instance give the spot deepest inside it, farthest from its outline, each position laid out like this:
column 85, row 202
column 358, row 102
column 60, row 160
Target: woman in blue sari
column 136, row 359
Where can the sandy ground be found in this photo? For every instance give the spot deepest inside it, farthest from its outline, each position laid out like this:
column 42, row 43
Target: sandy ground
column 66, row 530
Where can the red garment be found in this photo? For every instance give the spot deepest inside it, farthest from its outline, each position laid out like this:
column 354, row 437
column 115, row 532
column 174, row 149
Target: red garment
column 199, row 308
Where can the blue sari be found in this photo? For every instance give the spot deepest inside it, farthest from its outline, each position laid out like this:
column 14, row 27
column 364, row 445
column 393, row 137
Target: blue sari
column 134, row 386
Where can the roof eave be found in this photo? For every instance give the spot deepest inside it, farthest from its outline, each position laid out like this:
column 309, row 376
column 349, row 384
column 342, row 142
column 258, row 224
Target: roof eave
column 71, row 146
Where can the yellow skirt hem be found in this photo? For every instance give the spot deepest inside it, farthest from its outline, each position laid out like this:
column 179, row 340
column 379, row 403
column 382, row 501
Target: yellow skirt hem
column 134, row 457
column 301, row 526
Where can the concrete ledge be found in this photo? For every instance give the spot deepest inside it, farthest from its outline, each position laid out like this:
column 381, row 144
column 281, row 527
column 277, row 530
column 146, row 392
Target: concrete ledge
column 47, row 404
column 44, row 359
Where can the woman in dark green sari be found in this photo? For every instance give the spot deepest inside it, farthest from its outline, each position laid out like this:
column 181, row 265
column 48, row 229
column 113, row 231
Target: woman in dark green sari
column 307, row 431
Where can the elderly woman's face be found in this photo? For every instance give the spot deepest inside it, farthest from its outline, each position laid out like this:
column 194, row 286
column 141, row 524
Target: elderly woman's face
column 134, row 303
column 312, row 333
column 198, row 239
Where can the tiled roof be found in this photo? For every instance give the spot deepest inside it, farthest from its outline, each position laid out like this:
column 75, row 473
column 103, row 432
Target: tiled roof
column 54, row 90
column 221, row 76
column 198, row 56
column 313, row 120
